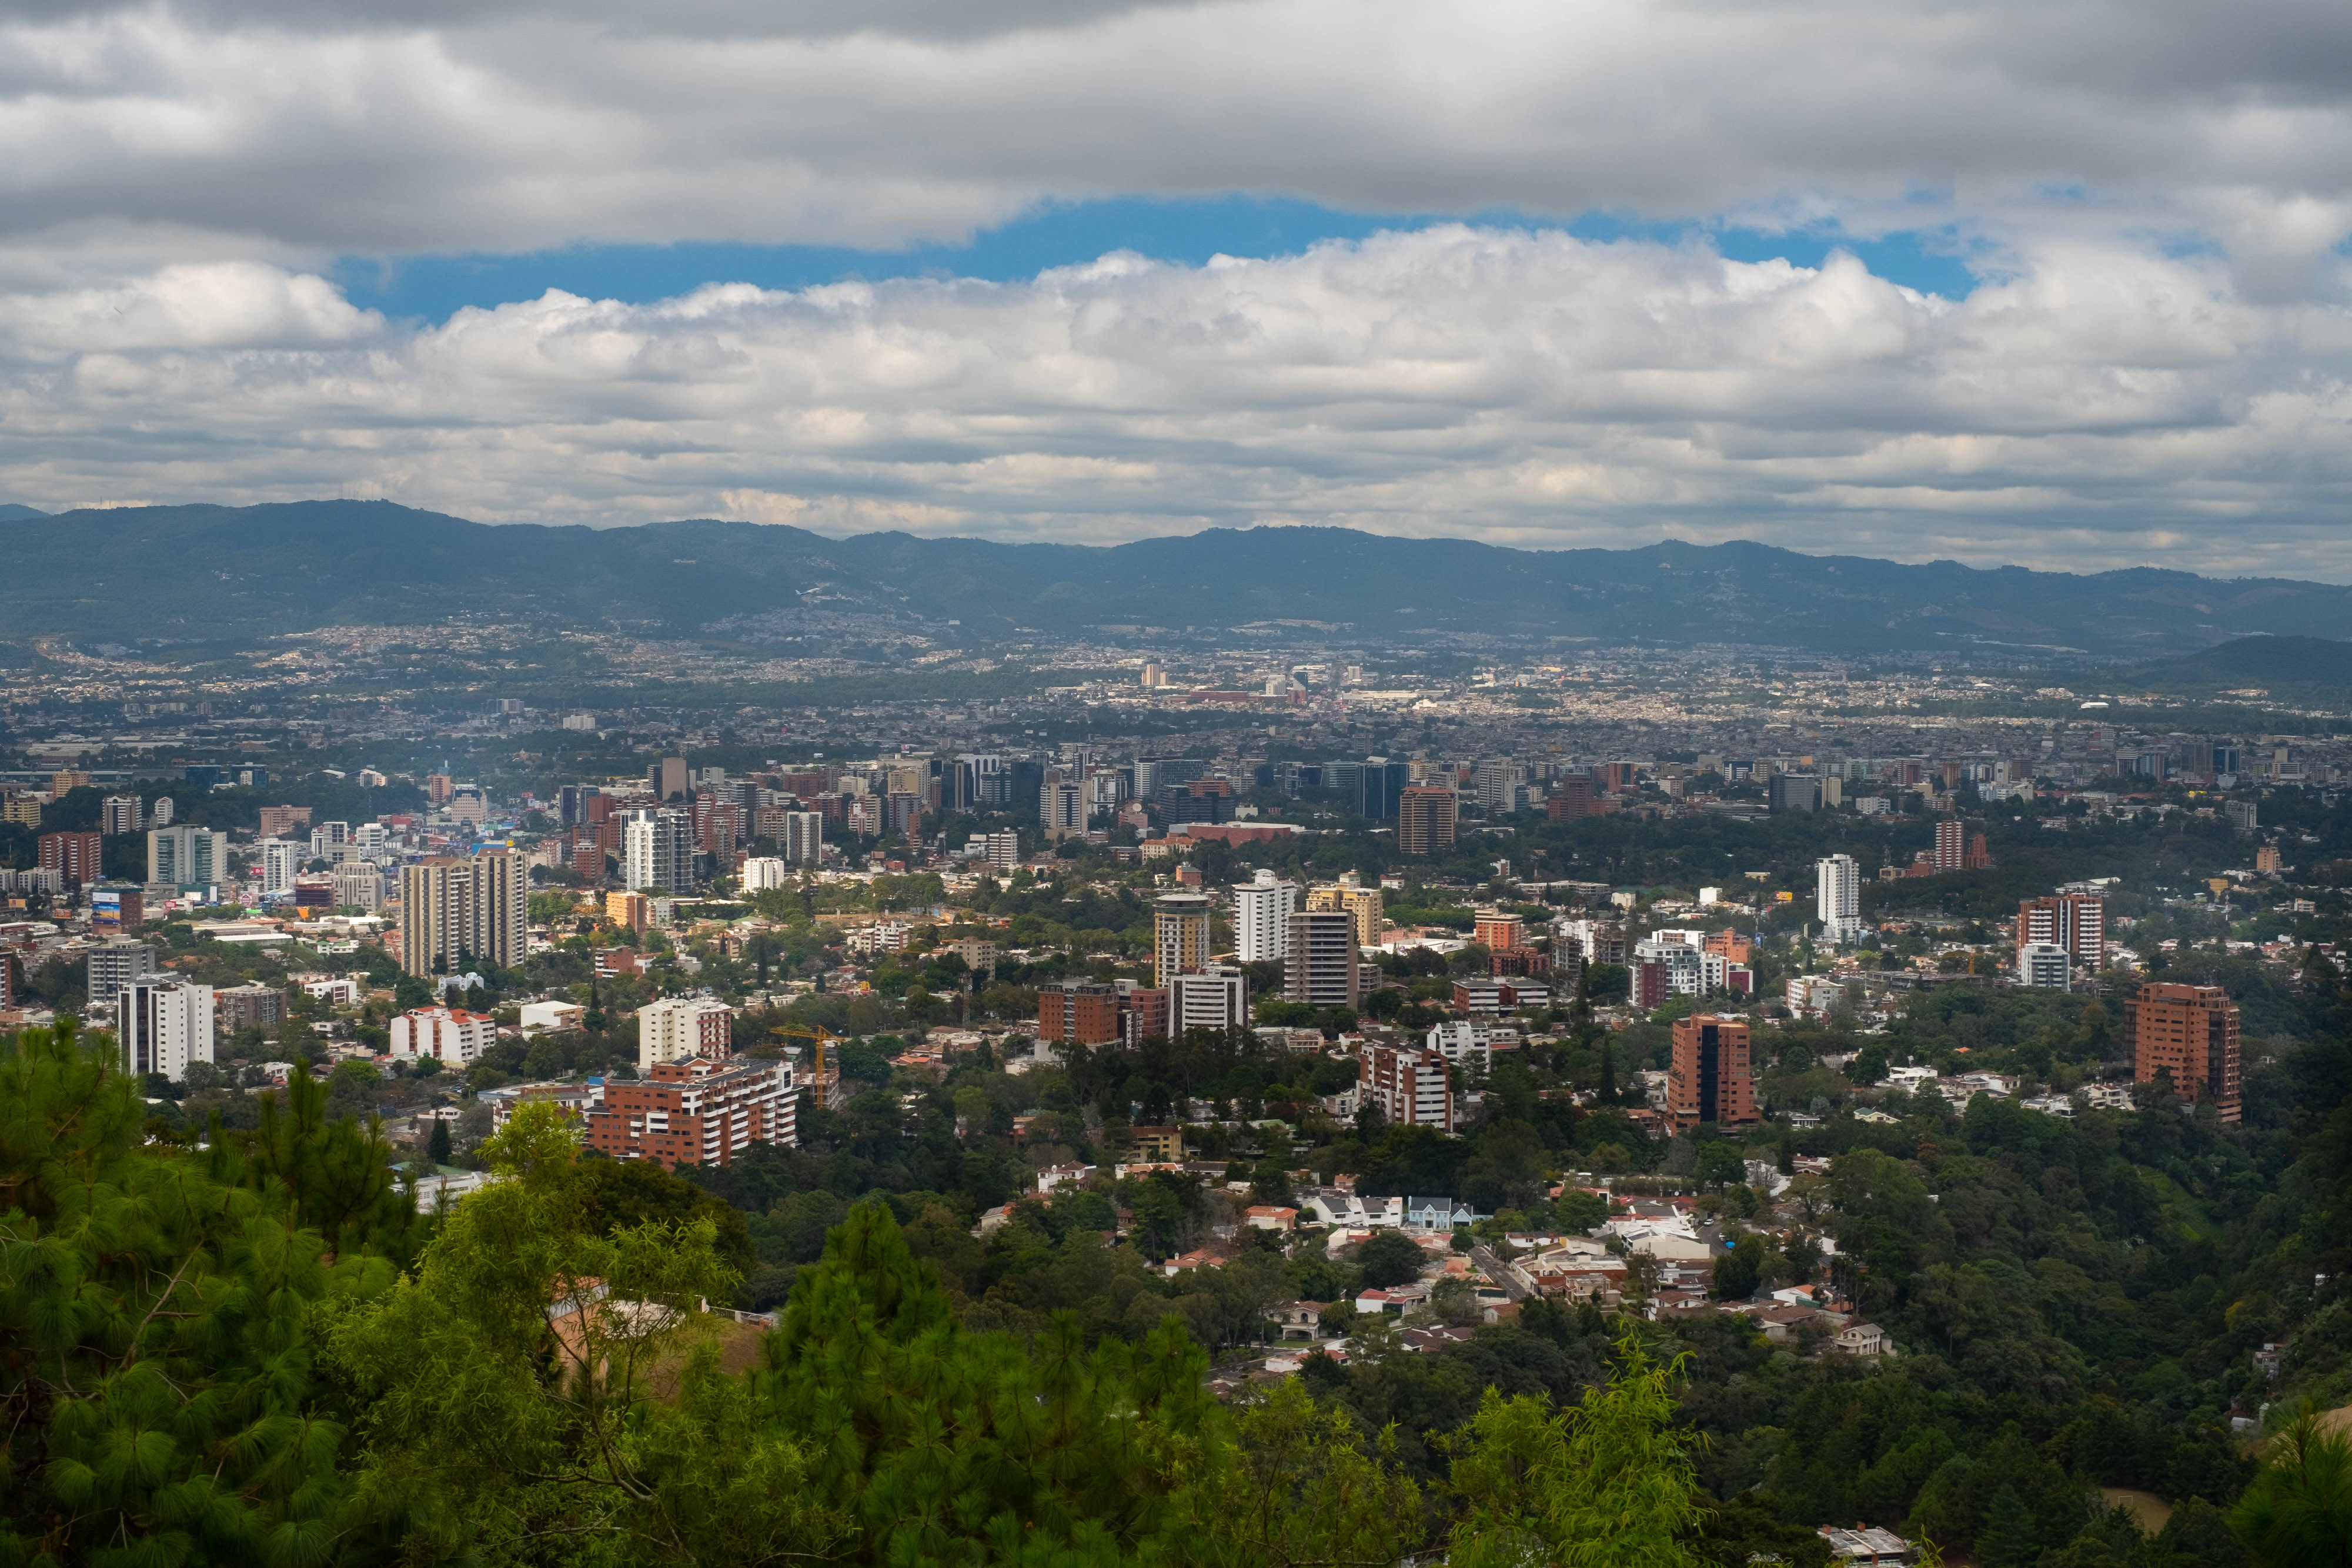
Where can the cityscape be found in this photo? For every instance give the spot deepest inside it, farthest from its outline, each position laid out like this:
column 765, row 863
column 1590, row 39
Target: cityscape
column 1175, row 784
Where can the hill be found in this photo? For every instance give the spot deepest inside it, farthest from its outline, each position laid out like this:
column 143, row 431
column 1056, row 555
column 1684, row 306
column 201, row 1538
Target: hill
column 2317, row 669
column 204, row 570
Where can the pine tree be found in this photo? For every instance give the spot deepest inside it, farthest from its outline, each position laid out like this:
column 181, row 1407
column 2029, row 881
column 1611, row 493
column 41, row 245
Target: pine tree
column 437, row 1147
column 2008, row 1539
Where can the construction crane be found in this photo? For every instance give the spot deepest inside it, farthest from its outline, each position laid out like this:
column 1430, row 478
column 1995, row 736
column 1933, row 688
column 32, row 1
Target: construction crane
column 822, row 1037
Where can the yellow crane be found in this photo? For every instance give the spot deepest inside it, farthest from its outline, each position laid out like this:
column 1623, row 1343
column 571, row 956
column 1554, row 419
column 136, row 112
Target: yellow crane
column 822, row 1037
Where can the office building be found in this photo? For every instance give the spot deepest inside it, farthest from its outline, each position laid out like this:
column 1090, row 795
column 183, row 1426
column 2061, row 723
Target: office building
column 281, row 861
column 669, row 780
column 283, row 821
column 77, row 857
column 1409, row 1088
column 1180, row 936
column 2190, row 1034
column 861, row 816
column 1062, row 807
column 1793, row 792
column 117, row 907
column 114, row 964
column 120, row 814
column 1363, row 905
column 1425, row 819
column 902, row 814
column 162, row 1025
column 2076, row 922
column 1382, row 788
column 2042, row 964
column 1839, row 898
column 1320, row 962
column 658, row 852
column 1076, row 1012
column 1573, row 795
column 1000, row 850
column 1262, row 910
column 1496, row 783
column 697, row 1112
column 1214, row 998
column 187, row 856
column 358, row 884
column 676, row 1028
column 1708, row 1079
column 2243, row 816
column 456, row 914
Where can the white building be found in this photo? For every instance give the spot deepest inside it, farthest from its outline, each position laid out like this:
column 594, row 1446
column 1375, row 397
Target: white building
column 1684, row 965
column 537, row 1018
column 281, row 860
column 114, row 964
column 340, row 992
column 163, row 1024
column 187, row 856
column 448, row 1035
column 762, row 872
column 1412, row 1088
column 658, row 851
column 1214, row 998
column 2042, row 964
column 678, row 1027
column 1262, row 919
column 803, row 837
column 1461, row 1040
column 1840, row 901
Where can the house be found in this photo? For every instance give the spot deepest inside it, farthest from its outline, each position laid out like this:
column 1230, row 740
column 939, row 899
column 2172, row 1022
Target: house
column 1199, row 1257
column 1054, row 1176
column 1266, row 1217
column 1439, row 1214
column 1866, row 1546
column 1862, row 1339
column 1296, row 1320
column 1396, row 1300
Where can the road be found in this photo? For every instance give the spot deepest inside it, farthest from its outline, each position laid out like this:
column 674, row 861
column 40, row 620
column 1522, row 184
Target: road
column 1485, row 1258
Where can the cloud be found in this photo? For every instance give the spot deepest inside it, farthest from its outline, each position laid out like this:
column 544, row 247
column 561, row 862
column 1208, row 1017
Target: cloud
column 2107, row 405
column 297, row 133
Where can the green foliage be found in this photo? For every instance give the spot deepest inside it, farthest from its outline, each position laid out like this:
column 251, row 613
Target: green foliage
column 1388, row 1258
column 2298, row 1512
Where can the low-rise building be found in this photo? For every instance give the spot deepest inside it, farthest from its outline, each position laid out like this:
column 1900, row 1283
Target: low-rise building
column 450, row 1036
column 695, row 1112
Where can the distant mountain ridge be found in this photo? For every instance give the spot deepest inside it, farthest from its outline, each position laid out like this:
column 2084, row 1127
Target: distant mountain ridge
column 204, row 570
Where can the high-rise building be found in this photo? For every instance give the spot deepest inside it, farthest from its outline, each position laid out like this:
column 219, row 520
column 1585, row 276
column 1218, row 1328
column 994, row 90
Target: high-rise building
column 676, row 1028
column 762, row 872
column 187, row 856
column 1410, row 1088
column 1180, row 936
column 254, row 1006
column 1708, row 1079
column 697, row 1112
column 669, row 780
column 2190, row 1033
column 2076, row 922
column 2043, row 965
column 1839, row 901
column 1321, row 961
column 1572, row 795
column 1494, row 783
column 1383, row 787
column 1000, row 850
column 1214, row 998
column 658, row 851
column 1425, row 819
column 120, row 814
column 457, row 913
column 1951, row 845
column 1262, row 909
column 114, row 964
column 803, row 840
column 77, row 857
column 281, row 862
column 1062, row 807
column 163, row 1024
column 902, row 814
column 1498, row 932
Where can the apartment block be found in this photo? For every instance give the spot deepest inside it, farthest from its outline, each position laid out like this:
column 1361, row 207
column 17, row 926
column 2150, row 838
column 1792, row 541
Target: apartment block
column 1708, row 1079
column 1411, row 1088
column 2188, row 1033
column 697, row 1112
column 451, row 1036
column 162, row 1025
column 676, row 1028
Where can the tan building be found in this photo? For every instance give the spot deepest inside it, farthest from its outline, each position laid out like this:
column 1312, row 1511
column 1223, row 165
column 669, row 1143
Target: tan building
column 1708, row 1079
column 456, row 912
column 1425, row 819
column 1180, row 936
column 1321, row 964
column 2188, row 1033
column 1364, row 905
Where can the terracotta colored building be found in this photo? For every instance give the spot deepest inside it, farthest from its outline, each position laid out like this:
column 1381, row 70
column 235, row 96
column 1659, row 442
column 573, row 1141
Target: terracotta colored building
column 697, row 1112
column 1708, row 1080
column 1077, row 1013
column 2189, row 1033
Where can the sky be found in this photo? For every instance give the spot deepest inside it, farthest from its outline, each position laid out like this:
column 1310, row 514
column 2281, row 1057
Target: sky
column 2063, row 284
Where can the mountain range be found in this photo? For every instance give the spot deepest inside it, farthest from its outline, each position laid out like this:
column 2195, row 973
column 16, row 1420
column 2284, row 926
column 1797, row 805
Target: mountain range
column 206, row 572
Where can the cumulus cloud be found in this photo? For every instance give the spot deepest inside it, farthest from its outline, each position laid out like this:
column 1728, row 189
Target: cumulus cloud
column 2107, row 405
column 298, row 132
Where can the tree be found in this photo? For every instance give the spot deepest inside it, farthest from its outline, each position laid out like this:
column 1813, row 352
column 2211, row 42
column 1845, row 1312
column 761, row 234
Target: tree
column 1388, row 1258
column 2298, row 1512
column 436, row 1146
column 1737, row 1271
column 2008, row 1539
column 1608, row 1484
